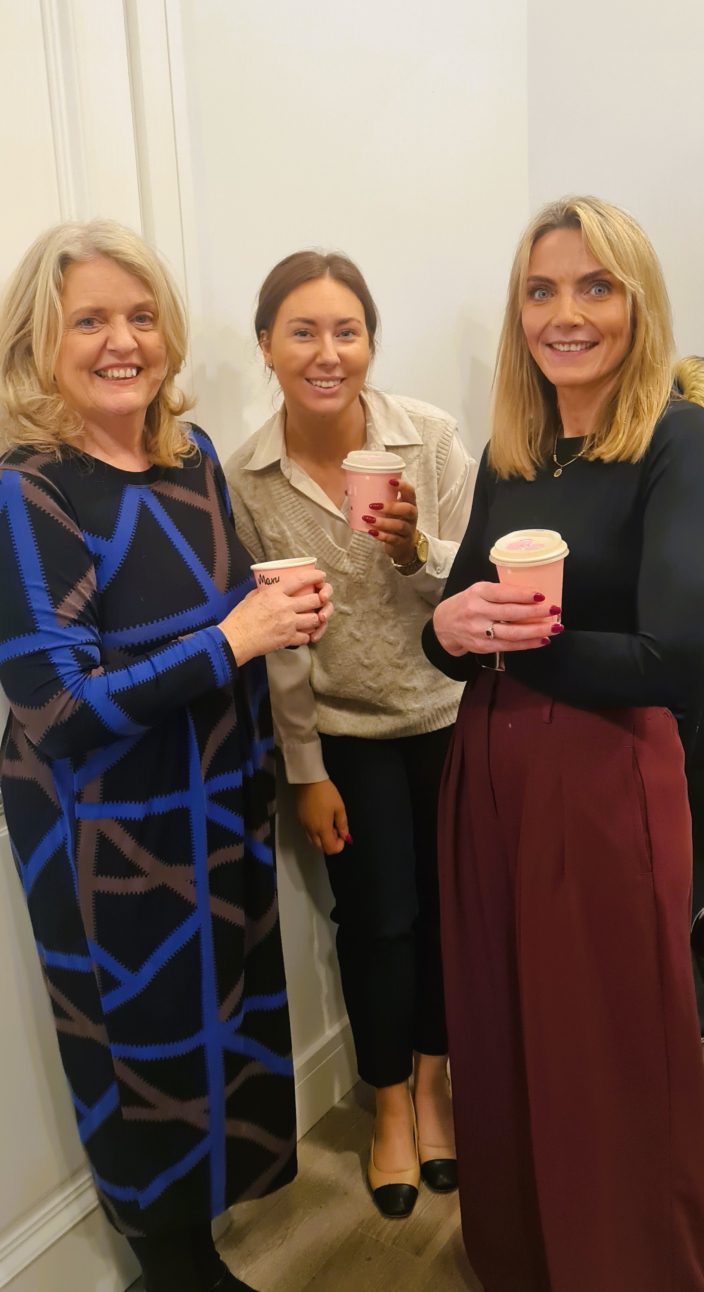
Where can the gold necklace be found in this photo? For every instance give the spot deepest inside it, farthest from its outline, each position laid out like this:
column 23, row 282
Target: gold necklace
column 561, row 465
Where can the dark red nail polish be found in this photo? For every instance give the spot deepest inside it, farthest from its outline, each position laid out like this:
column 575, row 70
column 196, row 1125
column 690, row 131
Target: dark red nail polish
column 394, row 483
column 555, row 610
column 538, row 596
column 348, row 838
column 374, row 533
column 376, row 506
column 369, row 520
column 545, row 641
column 557, row 628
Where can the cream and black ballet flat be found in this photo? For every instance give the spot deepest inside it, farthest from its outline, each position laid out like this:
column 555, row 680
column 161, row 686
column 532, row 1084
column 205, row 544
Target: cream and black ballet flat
column 394, row 1192
column 438, row 1168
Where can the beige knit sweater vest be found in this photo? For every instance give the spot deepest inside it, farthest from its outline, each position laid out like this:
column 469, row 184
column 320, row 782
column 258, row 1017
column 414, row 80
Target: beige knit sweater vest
column 369, row 674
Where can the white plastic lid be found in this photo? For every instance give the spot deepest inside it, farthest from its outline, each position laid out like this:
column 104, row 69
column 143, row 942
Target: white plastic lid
column 529, row 547
column 284, row 564
column 373, row 460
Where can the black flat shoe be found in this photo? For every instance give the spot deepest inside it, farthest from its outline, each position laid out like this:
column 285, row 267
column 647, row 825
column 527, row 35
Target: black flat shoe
column 226, row 1281
column 215, row 1275
column 395, row 1201
column 230, row 1283
column 440, row 1174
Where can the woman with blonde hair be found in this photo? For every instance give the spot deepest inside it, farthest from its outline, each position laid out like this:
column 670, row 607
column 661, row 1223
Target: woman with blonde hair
column 565, row 844
column 136, row 764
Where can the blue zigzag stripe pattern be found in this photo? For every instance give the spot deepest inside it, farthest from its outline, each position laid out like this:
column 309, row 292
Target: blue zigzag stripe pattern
column 137, row 779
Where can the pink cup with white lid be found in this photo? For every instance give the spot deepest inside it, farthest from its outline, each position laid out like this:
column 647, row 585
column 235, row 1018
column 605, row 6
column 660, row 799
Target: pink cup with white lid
column 532, row 558
column 368, row 476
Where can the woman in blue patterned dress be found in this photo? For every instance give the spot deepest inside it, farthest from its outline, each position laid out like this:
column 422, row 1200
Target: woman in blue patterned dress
column 137, row 759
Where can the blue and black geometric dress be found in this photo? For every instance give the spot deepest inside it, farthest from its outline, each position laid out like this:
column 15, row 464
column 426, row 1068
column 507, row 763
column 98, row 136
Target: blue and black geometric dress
column 137, row 777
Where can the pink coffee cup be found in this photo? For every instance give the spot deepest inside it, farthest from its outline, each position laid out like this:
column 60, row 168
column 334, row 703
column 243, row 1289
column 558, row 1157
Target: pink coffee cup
column 268, row 574
column 532, row 558
column 368, row 476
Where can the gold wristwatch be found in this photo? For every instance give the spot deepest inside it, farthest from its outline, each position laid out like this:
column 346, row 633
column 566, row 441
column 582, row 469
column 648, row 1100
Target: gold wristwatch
column 421, row 556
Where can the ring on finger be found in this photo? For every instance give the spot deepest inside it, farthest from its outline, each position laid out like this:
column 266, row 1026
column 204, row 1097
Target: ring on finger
column 489, row 632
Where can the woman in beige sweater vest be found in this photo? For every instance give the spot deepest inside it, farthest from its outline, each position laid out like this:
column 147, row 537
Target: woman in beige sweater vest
column 362, row 719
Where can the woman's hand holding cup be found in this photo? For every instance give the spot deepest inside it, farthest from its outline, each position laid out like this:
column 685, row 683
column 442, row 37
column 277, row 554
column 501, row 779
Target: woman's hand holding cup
column 490, row 617
column 270, row 618
column 397, row 525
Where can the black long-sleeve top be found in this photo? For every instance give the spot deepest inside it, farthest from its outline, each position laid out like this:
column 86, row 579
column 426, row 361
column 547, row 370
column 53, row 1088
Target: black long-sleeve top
column 633, row 598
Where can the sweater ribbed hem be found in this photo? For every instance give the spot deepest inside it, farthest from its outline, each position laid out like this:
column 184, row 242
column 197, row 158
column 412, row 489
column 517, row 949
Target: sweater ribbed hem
column 385, row 726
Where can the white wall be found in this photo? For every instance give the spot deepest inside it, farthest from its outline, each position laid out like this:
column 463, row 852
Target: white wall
column 393, row 131
column 616, row 108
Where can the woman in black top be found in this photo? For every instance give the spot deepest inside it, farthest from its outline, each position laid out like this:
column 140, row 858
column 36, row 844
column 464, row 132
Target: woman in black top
column 565, row 832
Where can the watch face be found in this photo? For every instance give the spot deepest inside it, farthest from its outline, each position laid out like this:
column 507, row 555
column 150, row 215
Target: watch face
column 422, row 547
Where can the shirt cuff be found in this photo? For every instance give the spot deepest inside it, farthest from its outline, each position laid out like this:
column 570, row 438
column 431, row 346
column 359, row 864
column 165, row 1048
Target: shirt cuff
column 304, row 761
column 429, row 581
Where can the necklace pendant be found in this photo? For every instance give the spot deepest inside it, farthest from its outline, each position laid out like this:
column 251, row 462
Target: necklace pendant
column 557, row 473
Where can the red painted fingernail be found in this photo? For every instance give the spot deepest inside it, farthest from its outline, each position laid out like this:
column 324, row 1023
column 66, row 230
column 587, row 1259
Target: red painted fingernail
column 376, row 506
column 374, row 533
column 545, row 641
column 348, row 838
column 394, row 483
column 538, row 596
column 555, row 610
column 557, row 628
column 369, row 520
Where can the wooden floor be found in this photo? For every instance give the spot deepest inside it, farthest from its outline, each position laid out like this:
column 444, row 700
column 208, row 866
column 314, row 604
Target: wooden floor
column 323, row 1232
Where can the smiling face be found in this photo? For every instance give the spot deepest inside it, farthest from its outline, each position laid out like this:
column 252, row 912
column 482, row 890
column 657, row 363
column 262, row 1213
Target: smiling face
column 112, row 357
column 318, row 348
column 575, row 315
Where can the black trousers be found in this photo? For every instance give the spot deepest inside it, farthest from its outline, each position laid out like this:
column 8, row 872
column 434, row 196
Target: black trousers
column 179, row 1260
column 386, row 899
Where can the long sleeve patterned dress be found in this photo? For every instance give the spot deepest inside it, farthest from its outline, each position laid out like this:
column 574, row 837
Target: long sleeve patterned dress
column 138, row 788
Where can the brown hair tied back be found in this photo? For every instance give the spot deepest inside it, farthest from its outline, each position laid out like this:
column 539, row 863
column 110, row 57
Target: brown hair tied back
column 305, row 267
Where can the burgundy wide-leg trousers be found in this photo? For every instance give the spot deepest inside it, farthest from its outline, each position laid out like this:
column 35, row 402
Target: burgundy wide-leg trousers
column 577, row 1072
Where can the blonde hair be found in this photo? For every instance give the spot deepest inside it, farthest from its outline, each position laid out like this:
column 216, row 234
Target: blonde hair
column 32, row 412
column 688, row 377
column 525, row 417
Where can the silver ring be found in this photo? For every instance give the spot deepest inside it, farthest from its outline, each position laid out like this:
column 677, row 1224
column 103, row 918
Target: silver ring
column 489, row 632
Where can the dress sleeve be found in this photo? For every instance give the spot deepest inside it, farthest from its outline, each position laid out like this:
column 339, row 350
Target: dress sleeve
column 661, row 661
column 60, row 681
column 466, row 569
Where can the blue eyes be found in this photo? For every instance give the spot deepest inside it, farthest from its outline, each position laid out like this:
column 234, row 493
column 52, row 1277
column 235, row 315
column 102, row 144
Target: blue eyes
column 598, row 290
column 90, row 323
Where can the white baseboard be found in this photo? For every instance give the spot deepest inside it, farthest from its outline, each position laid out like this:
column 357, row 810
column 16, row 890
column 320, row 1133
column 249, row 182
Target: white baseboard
column 45, row 1224
column 324, row 1073
column 66, row 1242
